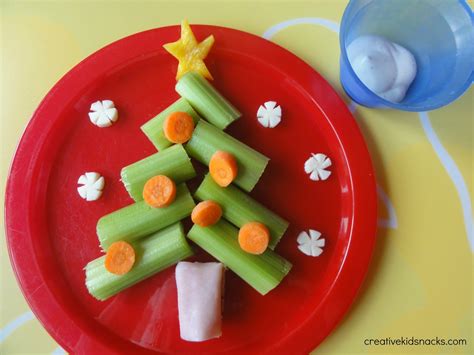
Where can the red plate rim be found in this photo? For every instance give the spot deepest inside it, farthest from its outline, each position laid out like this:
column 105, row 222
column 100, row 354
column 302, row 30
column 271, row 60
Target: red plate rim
column 25, row 167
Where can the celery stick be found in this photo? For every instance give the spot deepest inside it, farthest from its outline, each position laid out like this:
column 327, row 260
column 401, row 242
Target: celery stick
column 239, row 208
column 207, row 139
column 172, row 162
column 153, row 129
column 138, row 219
column 152, row 254
column 263, row 272
column 206, row 100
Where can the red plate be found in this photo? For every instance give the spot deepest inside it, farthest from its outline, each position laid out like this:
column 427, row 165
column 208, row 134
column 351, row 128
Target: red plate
column 51, row 230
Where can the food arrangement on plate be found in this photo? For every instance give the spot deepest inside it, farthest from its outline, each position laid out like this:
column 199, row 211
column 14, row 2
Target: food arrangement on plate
column 147, row 236
column 225, row 199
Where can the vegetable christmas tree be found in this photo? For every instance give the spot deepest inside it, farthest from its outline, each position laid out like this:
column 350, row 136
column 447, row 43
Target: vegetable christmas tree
column 151, row 225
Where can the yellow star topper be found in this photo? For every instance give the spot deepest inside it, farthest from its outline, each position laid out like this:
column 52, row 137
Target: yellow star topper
column 190, row 53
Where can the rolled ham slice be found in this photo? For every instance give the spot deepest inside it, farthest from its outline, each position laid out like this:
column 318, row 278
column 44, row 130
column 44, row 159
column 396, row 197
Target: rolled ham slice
column 200, row 288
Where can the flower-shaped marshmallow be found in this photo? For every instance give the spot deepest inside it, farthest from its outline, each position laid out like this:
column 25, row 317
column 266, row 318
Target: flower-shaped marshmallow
column 103, row 113
column 91, row 187
column 311, row 244
column 316, row 167
column 269, row 114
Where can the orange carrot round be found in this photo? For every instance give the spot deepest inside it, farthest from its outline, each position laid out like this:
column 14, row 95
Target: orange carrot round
column 120, row 258
column 159, row 191
column 223, row 168
column 178, row 127
column 206, row 213
column 254, row 237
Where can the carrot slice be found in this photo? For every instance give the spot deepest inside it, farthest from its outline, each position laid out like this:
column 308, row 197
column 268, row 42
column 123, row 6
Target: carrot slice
column 223, row 168
column 254, row 237
column 159, row 191
column 178, row 127
column 120, row 258
column 206, row 213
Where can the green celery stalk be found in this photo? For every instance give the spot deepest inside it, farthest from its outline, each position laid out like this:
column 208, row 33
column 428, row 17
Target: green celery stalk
column 207, row 101
column 153, row 129
column 152, row 254
column 172, row 162
column 138, row 219
column 207, row 139
column 263, row 272
column 239, row 208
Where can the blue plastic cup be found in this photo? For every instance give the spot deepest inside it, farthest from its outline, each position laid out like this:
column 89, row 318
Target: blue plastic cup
column 440, row 35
